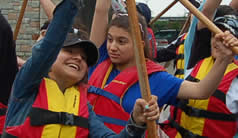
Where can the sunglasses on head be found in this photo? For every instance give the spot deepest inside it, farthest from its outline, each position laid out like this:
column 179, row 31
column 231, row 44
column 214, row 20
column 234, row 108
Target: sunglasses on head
column 228, row 19
column 126, row 14
column 229, row 22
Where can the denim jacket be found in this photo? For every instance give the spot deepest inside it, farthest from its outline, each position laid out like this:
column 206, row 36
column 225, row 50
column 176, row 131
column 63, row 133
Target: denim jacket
column 44, row 54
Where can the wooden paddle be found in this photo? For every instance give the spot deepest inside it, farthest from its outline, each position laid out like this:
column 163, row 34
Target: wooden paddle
column 163, row 12
column 19, row 21
column 185, row 25
column 140, row 62
column 210, row 25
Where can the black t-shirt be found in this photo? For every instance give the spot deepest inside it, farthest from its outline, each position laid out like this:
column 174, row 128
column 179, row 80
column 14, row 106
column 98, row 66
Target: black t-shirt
column 169, row 53
column 201, row 47
column 166, row 54
column 8, row 60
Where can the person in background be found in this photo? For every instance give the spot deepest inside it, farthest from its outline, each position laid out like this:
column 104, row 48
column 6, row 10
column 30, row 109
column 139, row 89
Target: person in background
column 175, row 50
column 145, row 11
column 43, row 30
column 216, row 116
column 8, row 66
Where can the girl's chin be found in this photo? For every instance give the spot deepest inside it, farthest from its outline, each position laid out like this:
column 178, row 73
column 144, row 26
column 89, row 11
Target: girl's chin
column 114, row 61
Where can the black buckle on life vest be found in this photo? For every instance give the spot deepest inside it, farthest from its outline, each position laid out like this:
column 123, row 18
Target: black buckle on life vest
column 66, row 118
column 192, row 111
column 39, row 116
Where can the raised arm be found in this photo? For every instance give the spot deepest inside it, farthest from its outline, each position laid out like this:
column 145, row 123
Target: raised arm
column 48, row 7
column 209, row 10
column 206, row 87
column 45, row 52
column 100, row 21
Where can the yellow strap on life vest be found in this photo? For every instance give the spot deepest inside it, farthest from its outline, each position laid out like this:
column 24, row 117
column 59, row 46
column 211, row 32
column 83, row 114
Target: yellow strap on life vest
column 106, row 76
column 61, row 102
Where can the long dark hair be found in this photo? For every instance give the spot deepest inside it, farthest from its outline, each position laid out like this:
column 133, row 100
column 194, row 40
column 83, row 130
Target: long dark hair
column 122, row 21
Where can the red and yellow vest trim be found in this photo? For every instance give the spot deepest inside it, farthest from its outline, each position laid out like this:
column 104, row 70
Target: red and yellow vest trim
column 106, row 107
column 208, row 126
column 50, row 98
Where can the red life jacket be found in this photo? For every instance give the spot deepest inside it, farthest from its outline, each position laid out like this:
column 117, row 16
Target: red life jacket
column 107, row 103
column 153, row 48
column 205, row 118
column 3, row 110
column 55, row 114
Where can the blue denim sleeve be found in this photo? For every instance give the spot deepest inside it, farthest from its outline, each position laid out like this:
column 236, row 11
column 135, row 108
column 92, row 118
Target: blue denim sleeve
column 97, row 129
column 45, row 52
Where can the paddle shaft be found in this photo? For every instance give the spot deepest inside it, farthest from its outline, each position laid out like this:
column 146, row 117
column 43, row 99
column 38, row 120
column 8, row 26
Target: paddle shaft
column 140, row 61
column 163, row 12
column 186, row 25
column 19, row 21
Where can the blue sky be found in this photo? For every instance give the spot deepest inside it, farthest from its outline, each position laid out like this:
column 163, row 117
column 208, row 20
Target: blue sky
column 177, row 10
